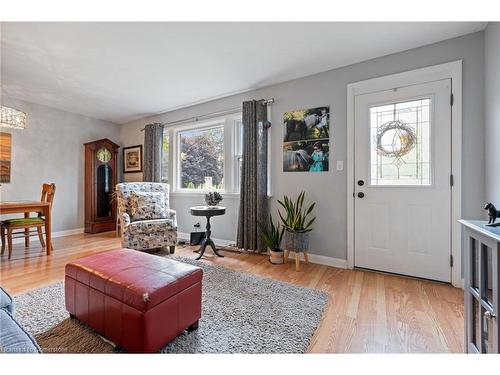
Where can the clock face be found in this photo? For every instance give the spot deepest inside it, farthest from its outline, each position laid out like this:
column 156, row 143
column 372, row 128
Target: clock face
column 103, row 155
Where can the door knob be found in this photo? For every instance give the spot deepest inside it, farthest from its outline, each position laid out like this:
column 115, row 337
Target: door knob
column 361, row 182
column 361, row 194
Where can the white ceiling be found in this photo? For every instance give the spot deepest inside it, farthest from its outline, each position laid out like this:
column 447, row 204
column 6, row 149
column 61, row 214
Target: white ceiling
column 124, row 71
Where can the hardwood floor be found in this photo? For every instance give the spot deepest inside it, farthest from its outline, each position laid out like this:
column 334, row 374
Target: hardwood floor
column 367, row 312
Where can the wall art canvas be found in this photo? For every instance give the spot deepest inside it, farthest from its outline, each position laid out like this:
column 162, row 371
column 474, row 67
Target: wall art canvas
column 306, row 140
column 132, row 159
column 5, row 156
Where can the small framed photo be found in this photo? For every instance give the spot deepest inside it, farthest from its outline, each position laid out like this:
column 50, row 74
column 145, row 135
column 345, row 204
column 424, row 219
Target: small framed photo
column 132, row 159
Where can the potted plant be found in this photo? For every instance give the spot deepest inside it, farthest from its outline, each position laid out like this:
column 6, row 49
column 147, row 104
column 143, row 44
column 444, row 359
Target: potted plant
column 296, row 222
column 272, row 236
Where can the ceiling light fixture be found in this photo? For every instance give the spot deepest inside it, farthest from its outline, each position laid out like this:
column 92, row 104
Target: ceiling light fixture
column 12, row 118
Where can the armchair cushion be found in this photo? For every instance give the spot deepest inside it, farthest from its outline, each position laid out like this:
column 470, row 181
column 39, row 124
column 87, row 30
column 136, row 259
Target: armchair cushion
column 147, row 206
column 150, row 226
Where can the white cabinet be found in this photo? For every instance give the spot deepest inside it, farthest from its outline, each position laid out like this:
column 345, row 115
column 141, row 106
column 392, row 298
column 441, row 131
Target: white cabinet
column 482, row 272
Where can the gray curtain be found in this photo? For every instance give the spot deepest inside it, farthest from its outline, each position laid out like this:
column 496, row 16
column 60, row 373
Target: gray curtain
column 253, row 191
column 153, row 141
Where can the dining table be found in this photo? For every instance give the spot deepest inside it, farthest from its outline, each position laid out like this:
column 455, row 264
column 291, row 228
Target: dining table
column 26, row 207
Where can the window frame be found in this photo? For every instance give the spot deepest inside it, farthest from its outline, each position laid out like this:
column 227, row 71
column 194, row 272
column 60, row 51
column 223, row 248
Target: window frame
column 237, row 152
column 231, row 177
column 167, row 178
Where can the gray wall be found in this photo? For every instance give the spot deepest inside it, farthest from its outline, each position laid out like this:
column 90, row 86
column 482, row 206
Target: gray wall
column 50, row 149
column 492, row 111
column 329, row 237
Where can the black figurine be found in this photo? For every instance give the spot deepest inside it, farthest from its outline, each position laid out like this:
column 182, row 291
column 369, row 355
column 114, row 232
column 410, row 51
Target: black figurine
column 493, row 213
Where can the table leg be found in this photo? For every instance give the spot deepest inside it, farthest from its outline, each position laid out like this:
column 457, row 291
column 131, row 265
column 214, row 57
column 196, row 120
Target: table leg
column 26, row 232
column 208, row 241
column 9, row 240
column 202, row 249
column 48, row 234
column 212, row 244
column 2, row 229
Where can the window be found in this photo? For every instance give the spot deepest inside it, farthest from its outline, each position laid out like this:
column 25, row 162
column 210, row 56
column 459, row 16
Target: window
column 401, row 143
column 204, row 155
column 201, row 159
column 164, row 157
column 238, row 152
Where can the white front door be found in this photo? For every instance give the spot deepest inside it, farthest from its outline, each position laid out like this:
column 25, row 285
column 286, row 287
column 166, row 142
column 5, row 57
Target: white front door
column 402, row 171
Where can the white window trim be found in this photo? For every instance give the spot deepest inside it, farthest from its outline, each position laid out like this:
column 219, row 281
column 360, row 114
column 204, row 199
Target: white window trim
column 168, row 157
column 235, row 155
column 452, row 70
column 231, row 183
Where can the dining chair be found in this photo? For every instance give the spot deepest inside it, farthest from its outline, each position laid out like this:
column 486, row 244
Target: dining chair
column 9, row 226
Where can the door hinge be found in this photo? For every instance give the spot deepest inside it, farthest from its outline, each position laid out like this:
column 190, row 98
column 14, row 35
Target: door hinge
column 451, row 180
column 451, row 100
column 451, row 260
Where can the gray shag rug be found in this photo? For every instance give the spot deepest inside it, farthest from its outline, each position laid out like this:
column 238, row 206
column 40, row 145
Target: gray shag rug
column 241, row 313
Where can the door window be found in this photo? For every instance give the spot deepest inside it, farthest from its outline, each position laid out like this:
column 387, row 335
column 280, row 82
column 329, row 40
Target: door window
column 400, row 147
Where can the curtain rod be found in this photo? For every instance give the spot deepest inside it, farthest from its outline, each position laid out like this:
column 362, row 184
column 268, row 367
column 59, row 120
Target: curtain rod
column 212, row 114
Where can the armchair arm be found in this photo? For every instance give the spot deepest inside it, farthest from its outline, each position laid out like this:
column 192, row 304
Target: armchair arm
column 124, row 221
column 173, row 215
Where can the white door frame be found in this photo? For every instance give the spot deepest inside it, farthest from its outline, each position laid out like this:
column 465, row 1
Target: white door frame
column 452, row 70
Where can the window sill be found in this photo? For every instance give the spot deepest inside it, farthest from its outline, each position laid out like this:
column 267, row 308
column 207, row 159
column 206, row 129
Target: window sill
column 197, row 194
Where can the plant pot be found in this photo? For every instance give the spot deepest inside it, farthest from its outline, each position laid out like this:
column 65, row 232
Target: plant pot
column 296, row 241
column 276, row 257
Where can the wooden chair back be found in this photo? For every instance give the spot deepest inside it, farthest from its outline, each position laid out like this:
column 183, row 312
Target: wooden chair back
column 48, row 192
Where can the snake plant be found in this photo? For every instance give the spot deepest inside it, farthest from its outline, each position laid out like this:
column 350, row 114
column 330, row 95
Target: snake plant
column 272, row 234
column 296, row 215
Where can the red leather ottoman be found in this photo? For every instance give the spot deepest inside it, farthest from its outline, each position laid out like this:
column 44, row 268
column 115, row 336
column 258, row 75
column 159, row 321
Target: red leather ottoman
column 137, row 300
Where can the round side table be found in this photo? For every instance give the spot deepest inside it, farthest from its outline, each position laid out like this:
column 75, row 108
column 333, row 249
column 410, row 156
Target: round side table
column 208, row 212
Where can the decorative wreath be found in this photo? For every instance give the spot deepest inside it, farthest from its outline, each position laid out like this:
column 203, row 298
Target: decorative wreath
column 406, row 135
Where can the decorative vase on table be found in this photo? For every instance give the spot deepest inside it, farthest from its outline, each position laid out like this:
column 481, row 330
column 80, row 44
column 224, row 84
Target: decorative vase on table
column 213, row 198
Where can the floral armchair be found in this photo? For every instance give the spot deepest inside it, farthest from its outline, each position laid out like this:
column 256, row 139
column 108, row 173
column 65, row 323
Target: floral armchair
column 144, row 216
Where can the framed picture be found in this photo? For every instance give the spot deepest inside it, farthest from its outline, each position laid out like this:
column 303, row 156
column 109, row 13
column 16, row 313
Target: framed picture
column 132, row 159
column 306, row 140
column 5, row 156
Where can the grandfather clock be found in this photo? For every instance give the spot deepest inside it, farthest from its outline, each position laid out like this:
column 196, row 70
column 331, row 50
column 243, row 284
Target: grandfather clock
column 100, row 181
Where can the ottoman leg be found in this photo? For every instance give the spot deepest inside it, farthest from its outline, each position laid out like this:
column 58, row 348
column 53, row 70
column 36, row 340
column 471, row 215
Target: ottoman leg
column 193, row 326
column 172, row 249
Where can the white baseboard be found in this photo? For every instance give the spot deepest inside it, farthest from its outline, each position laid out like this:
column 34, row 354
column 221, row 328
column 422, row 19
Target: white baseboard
column 61, row 233
column 328, row 261
column 218, row 241
column 313, row 258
